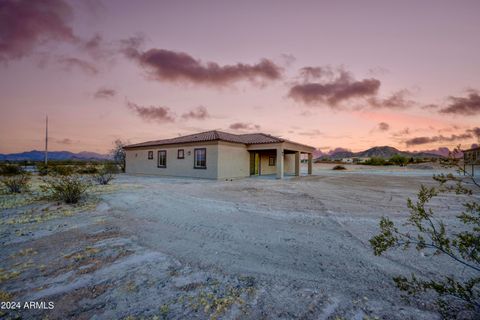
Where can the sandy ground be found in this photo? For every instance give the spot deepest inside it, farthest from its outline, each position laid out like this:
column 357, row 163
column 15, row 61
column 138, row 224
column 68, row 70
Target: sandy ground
column 257, row 248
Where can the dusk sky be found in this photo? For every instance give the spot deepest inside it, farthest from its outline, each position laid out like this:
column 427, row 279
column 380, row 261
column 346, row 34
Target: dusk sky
column 351, row 74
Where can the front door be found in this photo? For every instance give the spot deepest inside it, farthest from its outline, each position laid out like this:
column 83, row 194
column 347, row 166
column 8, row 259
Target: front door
column 254, row 163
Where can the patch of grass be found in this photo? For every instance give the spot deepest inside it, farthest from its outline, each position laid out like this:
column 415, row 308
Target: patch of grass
column 5, row 296
column 215, row 303
column 8, row 275
column 24, row 252
column 31, row 216
column 82, row 254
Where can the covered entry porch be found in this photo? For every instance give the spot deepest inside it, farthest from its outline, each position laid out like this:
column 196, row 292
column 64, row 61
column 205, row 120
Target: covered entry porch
column 279, row 159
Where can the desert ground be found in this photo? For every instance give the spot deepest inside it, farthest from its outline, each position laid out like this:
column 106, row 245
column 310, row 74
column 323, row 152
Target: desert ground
column 255, row 248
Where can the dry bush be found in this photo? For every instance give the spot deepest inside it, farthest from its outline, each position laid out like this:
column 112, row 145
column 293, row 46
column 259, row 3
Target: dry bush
column 10, row 170
column 16, row 183
column 106, row 174
column 69, row 189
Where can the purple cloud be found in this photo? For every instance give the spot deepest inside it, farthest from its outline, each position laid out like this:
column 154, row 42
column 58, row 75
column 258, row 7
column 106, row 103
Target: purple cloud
column 152, row 113
column 25, row 24
column 104, row 93
column 178, row 67
column 383, row 126
column 468, row 134
column 70, row 63
column 332, row 87
column 244, row 126
column 199, row 113
column 466, row 106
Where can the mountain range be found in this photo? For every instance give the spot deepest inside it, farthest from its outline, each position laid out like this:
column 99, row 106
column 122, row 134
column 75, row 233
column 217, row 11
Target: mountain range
column 36, row 155
column 381, row 152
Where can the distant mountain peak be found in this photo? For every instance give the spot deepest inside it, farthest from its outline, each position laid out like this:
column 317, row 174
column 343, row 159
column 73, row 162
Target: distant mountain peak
column 36, row 155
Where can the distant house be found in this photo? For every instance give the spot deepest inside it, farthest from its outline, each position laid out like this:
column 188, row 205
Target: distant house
column 218, row 155
column 471, row 160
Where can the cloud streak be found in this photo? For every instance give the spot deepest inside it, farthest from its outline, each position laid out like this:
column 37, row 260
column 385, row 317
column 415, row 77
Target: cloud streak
column 332, row 86
column 466, row 106
column 25, row 24
column 244, row 126
column 383, row 126
column 180, row 67
column 152, row 113
column 104, row 93
column 199, row 113
column 468, row 134
column 70, row 63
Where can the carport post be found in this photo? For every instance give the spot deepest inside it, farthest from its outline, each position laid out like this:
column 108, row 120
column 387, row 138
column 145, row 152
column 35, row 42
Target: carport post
column 297, row 163
column 280, row 162
column 310, row 163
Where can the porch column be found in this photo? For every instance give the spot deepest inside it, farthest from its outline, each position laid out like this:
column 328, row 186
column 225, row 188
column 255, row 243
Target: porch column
column 297, row 163
column 310, row 163
column 280, row 163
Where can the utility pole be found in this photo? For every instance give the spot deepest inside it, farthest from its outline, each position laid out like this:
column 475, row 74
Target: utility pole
column 46, row 141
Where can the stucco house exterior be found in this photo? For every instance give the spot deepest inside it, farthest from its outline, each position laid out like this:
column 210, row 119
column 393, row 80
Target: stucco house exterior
column 217, row 155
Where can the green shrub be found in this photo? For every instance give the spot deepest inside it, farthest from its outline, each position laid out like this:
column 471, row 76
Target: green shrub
column 11, row 170
column 69, row 189
column 62, row 170
column 399, row 160
column 339, row 167
column 89, row 169
column 16, row 183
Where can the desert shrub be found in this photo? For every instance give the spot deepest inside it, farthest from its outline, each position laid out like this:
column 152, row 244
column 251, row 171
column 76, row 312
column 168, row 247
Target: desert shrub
column 42, row 169
column 339, row 167
column 69, row 189
column 457, row 290
column 10, row 170
column 89, row 169
column 106, row 173
column 62, row 170
column 16, row 183
column 375, row 161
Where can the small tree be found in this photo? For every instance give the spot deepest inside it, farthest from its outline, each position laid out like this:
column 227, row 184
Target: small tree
column 118, row 153
column 454, row 292
column 399, row 160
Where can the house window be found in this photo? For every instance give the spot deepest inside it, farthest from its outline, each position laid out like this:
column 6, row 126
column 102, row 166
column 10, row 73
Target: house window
column 180, row 154
column 271, row 160
column 162, row 159
column 150, row 155
column 200, row 158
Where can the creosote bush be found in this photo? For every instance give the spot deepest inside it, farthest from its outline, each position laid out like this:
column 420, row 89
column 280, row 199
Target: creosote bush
column 458, row 291
column 16, row 183
column 69, row 189
column 106, row 174
column 10, row 170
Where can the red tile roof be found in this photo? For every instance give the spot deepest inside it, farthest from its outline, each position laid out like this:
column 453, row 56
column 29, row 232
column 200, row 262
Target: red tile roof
column 214, row 135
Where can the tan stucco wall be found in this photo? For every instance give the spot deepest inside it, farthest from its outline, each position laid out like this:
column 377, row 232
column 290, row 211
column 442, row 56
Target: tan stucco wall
column 137, row 162
column 264, row 167
column 289, row 165
column 233, row 160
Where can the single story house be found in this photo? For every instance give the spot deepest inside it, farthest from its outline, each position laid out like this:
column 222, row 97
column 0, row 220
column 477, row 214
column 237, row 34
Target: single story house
column 217, row 155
